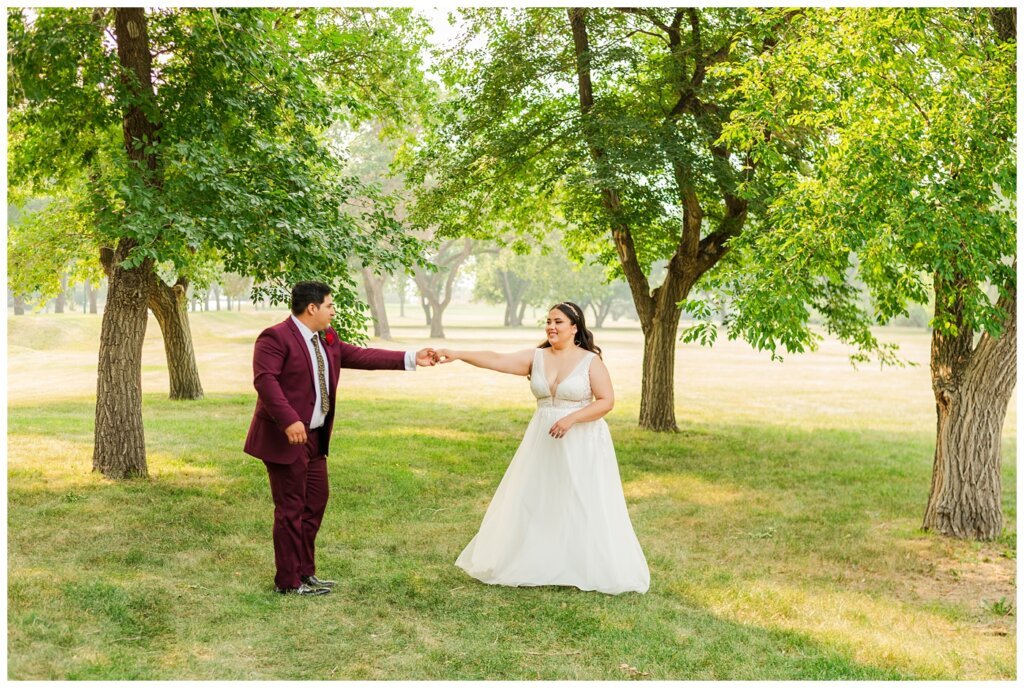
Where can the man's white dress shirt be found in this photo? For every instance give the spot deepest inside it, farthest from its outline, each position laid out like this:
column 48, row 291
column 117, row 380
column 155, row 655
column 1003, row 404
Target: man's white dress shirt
column 307, row 335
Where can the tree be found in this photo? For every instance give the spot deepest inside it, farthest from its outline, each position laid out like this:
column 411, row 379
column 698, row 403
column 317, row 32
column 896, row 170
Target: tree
column 235, row 287
column 370, row 160
column 90, row 296
column 46, row 241
column 55, row 235
column 62, row 294
column 609, row 115
column 502, row 279
column 606, row 299
column 544, row 277
column 217, row 148
column 513, row 278
column 437, row 278
column 911, row 183
column 401, row 287
column 373, row 287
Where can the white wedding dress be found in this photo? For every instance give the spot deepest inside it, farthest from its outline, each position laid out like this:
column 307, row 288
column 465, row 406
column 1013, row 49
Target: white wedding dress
column 559, row 516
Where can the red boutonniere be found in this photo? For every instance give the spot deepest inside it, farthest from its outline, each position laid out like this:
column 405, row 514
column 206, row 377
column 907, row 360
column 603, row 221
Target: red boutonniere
column 329, row 337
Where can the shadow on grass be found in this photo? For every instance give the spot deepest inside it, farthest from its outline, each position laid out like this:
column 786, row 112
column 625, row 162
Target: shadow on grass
column 757, row 536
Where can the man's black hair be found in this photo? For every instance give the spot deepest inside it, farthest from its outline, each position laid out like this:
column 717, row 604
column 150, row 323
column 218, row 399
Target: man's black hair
column 305, row 293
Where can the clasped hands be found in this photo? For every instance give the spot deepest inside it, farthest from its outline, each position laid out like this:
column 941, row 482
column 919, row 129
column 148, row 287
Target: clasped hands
column 431, row 357
column 434, row 356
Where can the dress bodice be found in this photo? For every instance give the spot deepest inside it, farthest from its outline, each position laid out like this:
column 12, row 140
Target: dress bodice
column 572, row 392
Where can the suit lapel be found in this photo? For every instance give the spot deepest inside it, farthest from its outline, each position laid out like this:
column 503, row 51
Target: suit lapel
column 302, row 344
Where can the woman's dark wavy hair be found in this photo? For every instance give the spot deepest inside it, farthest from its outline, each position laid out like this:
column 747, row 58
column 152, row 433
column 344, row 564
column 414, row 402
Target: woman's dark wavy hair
column 584, row 337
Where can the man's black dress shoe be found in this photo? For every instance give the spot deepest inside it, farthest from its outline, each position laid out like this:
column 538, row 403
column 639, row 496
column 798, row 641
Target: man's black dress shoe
column 302, row 590
column 316, row 582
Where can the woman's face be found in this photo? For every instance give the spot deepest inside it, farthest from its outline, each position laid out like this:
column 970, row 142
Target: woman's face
column 559, row 329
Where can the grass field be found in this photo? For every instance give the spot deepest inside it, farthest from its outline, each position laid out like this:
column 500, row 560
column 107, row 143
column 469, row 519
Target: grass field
column 781, row 524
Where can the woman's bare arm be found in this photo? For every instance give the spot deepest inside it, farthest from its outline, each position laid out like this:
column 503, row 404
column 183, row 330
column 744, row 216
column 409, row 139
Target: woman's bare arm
column 515, row 363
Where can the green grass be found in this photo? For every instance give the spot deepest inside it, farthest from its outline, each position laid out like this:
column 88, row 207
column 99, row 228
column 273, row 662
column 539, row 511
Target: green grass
column 779, row 547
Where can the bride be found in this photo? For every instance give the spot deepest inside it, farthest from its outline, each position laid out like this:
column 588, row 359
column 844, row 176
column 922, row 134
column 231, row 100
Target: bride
column 559, row 516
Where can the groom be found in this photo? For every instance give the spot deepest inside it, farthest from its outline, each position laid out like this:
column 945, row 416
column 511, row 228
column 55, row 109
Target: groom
column 295, row 372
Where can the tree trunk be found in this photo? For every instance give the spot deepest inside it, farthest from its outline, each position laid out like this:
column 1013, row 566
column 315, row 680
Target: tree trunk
column 119, row 442
column 401, row 283
column 120, row 446
column 374, row 288
column 60, row 301
column 216, row 296
column 425, row 304
column 657, row 395
column 92, row 297
column 513, row 288
column 228, row 297
column 657, row 310
column 436, row 329
column 601, row 310
column 514, row 314
column 972, row 391
column 506, row 291
column 168, row 305
column 435, row 310
column 19, row 305
column 436, row 296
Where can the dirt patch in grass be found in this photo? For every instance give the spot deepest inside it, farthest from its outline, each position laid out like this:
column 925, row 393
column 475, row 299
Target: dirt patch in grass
column 975, row 577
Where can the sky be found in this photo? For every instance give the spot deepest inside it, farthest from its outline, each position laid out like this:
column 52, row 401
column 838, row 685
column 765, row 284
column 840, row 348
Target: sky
column 444, row 33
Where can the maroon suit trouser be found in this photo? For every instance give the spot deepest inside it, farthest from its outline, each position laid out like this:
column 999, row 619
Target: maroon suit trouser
column 300, row 494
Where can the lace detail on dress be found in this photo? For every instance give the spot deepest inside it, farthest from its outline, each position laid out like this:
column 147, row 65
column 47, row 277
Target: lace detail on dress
column 572, row 392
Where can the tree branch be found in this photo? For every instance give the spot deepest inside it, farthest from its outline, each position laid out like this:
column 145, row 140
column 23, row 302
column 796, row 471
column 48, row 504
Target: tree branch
column 1003, row 346
column 699, row 68
column 648, row 33
column 647, row 14
column 621, row 235
column 453, row 264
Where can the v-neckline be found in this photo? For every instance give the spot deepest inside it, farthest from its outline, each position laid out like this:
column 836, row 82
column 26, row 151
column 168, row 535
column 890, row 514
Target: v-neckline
column 553, row 389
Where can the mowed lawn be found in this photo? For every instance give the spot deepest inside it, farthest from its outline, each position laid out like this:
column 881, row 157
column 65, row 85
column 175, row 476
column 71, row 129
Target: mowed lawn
column 781, row 524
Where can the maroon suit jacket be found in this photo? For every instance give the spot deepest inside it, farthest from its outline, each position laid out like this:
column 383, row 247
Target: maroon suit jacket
column 283, row 377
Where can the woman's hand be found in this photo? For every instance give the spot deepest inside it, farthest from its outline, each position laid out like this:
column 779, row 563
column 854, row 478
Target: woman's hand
column 445, row 355
column 561, row 427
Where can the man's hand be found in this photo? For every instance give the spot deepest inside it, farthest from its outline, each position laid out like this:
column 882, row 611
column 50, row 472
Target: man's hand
column 296, row 433
column 426, row 357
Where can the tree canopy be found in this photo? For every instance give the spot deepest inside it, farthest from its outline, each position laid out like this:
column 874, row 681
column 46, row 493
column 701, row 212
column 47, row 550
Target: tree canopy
column 909, row 180
column 239, row 164
column 613, row 118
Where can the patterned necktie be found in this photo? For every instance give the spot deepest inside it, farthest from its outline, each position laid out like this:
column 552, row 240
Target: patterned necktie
column 325, row 403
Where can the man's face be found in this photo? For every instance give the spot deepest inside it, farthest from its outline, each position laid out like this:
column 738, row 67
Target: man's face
column 321, row 314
